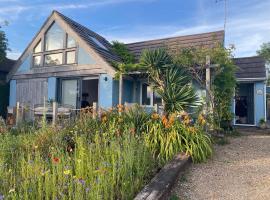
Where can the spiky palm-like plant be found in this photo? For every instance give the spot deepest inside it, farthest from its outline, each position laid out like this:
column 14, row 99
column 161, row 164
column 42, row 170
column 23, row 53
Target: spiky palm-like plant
column 171, row 81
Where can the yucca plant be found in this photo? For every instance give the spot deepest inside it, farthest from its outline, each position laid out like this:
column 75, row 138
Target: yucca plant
column 170, row 80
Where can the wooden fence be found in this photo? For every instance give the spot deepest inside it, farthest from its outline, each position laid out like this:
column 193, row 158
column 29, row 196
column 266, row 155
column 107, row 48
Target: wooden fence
column 54, row 111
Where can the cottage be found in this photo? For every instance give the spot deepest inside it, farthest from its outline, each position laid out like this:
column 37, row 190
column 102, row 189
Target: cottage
column 68, row 63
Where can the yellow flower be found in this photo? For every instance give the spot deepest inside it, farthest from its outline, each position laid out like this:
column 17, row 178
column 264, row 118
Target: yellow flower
column 67, row 172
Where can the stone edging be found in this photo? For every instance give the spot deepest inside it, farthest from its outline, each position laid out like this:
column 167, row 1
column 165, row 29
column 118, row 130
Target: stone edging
column 161, row 184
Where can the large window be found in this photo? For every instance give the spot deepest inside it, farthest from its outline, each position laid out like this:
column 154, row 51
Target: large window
column 54, row 38
column 54, row 59
column 58, row 48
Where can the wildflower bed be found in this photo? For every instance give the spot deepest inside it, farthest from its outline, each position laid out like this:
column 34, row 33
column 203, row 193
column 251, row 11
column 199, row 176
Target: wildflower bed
column 108, row 158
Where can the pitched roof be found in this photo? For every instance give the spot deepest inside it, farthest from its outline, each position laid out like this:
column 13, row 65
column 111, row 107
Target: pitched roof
column 175, row 43
column 97, row 42
column 250, row 68
column 6, row 65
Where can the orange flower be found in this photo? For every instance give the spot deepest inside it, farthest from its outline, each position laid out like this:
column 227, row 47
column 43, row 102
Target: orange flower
column 120, row 108
column 56, row 160
column 201, row 120
column 155, row 116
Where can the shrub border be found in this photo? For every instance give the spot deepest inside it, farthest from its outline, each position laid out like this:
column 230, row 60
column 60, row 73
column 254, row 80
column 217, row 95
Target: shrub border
column 161, row 184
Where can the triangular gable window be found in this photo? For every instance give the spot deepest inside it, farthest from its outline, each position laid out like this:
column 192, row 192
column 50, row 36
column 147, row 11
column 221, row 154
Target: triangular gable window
column 54, row 38
column 37, row 49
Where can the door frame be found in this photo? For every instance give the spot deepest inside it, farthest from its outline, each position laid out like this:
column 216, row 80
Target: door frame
column 79, row 86
column 254, row 105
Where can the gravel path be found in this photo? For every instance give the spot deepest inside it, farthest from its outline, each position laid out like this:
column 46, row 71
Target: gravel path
column 238, row 170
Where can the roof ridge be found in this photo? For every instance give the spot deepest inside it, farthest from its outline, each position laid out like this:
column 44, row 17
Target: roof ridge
column 175, row 37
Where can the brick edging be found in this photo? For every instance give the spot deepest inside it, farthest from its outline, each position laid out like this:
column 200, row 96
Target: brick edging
column 161, row 184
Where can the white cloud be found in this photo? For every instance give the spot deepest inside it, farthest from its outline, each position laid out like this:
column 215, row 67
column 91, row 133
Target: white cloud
column 14, row 55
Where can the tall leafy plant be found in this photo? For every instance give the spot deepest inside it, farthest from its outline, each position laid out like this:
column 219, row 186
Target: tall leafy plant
column 170, row 80
column 223, row 81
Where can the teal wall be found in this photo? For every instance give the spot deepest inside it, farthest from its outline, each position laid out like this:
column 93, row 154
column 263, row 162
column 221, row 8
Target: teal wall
column 12, row 93
column 84, row 58
column 115, row 93
column 260, row 100
column 25, row 66
column 106, row 91
column 127, row 91
column 52, row 81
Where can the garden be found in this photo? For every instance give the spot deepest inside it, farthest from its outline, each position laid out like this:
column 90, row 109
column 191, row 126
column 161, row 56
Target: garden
column 114, row 155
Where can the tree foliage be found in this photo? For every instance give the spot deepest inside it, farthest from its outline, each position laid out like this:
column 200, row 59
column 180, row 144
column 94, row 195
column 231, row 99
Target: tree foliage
column 3, row 44
column 265, row 52
column 170, row 80
column 223, row 81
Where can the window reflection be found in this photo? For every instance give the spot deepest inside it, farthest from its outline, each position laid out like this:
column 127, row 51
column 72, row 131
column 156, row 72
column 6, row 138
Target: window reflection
column 54, row 59
column 37, row 61
column 54, row 38
column 37, row 49
column 70, row 42
column 146, row 94
column 71, row 57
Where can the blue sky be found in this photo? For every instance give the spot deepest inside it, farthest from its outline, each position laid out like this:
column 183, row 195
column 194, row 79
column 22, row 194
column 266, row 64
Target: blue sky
column 248, row 21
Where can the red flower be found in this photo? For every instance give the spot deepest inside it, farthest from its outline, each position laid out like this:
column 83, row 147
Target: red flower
column 56, row 160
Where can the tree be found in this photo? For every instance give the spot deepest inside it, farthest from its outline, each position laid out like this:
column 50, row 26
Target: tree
column 170, row 80
column 3, row 44
column 265, row 52
column 223, row 81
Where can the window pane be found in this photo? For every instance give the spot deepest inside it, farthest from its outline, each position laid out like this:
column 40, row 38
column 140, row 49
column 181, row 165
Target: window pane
column 54, row 38
column 157, row 99
column 70, row 42
column 54, row 59
column 69, row 92
column 71, row 57
column 37, row 49
column 37, row 61
column 146, row 94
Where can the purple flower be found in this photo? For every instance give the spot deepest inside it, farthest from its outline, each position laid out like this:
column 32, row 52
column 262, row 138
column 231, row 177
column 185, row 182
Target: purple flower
column 2, row 197
column 87, row 189
column 81, row 181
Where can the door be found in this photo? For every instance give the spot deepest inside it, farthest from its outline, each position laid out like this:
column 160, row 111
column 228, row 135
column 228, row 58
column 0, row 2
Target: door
column 70, row 92
column 244, row 104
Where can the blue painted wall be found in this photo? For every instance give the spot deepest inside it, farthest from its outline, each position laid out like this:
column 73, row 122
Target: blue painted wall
column 84, row 58
column 25, row 66
column 52, row 81
column 260, row 100
column 105, row 91
column 115, row 92
column 127, row 91
column 12, row 93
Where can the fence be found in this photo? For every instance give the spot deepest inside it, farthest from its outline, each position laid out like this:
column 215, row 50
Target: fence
column 54, row 111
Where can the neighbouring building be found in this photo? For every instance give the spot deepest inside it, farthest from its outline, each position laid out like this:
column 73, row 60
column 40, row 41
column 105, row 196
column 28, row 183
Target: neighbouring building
column 5, row 68
column 68, row 63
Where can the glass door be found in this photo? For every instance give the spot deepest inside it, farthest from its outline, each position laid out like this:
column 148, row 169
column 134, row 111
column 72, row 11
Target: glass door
column 70, row 92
